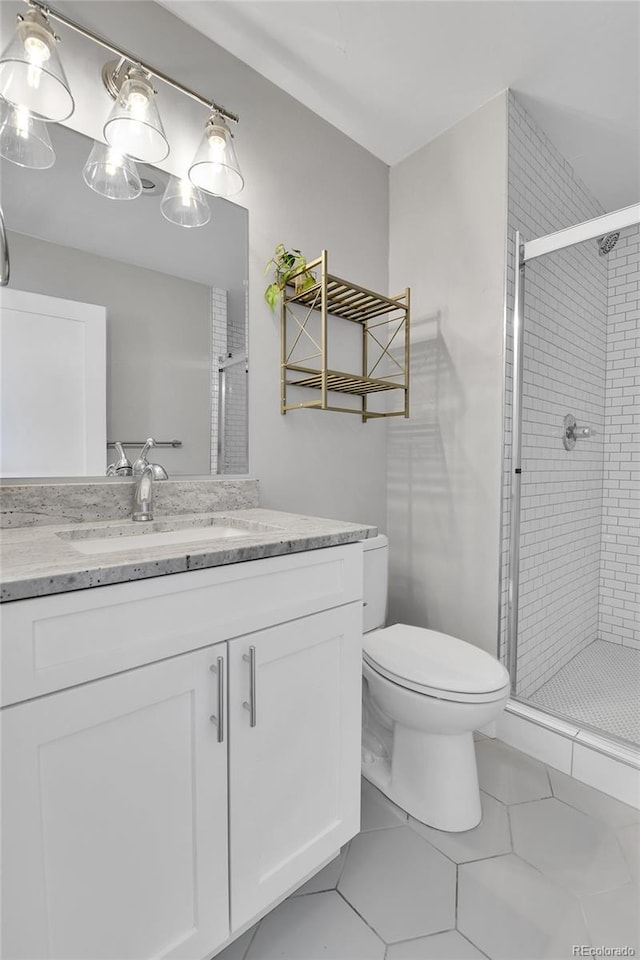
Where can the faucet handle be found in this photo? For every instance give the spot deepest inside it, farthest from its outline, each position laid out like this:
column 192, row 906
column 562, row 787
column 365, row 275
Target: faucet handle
column 159, row 472
column 141, row 461
column 149, row 442
column 122, row 466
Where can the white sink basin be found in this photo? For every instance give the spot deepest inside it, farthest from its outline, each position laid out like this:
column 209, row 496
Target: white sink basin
column 144, row 541
column 119, row 537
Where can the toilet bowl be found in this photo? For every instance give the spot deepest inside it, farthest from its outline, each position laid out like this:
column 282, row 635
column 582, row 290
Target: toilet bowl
column 424, row 693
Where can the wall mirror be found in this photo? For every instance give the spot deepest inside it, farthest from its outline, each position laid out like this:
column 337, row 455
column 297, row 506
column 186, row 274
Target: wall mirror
column 176, row 314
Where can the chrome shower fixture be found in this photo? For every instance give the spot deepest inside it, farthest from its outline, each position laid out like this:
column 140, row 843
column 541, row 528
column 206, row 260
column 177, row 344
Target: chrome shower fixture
column 607, row 242
column 573, row 432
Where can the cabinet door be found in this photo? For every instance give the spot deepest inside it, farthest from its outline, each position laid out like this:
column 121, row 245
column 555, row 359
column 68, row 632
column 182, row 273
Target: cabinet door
column 294, row 777
column 114, row 819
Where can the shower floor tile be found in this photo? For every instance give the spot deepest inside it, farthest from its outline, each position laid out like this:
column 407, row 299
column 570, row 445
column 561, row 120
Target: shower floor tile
column 599, row 687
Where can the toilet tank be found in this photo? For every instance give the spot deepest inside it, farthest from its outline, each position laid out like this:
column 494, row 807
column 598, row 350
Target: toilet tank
column 376, row 582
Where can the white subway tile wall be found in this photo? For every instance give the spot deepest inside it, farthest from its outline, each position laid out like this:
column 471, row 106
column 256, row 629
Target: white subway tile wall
column 560, row 520
column 619, row 611
column 564, row 372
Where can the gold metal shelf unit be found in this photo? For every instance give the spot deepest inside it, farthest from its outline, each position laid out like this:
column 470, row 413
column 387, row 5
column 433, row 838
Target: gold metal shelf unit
column 384, row 323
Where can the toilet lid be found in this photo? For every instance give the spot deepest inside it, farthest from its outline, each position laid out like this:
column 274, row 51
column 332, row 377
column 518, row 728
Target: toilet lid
column 430, row 659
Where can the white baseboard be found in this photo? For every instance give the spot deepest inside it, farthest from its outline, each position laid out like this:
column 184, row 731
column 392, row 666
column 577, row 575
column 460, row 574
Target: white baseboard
column 605, row 764
column 490, row 730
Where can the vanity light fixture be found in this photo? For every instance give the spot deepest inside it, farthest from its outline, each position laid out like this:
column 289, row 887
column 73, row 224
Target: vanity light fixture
column 215, row 167
column 111, row 174
column 31, row 74
column 24, row 139
column 34, row 87
column 184, row 204
column 134, row 126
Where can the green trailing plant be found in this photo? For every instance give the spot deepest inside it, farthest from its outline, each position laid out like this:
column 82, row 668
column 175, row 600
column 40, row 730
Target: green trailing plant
column 285, row 264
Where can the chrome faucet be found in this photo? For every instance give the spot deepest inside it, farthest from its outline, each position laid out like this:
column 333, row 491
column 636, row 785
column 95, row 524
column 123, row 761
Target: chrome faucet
column 145, row 474
column 143, row 494
column 159, row 472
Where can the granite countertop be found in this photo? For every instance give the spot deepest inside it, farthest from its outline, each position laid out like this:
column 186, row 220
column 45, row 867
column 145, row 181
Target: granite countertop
column 41, row 560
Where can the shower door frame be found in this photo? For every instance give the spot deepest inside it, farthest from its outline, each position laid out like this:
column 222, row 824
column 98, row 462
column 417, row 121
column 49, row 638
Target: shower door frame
column 524, row 252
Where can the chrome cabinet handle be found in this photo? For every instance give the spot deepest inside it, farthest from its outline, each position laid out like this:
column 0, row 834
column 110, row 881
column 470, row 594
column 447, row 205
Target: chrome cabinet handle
column 218, row 668
column 250, row 658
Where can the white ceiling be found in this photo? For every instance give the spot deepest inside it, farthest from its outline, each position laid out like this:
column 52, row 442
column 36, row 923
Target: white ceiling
column 393, row 74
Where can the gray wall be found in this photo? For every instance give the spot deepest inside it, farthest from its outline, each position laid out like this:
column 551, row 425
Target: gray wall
column 158, row 344
column 448, row 220
column 307, row 185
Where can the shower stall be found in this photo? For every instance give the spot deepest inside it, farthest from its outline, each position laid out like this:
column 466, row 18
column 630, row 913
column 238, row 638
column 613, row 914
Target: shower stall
column 571, row 548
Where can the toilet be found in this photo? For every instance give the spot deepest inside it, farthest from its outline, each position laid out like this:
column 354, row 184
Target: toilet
column 424, row 693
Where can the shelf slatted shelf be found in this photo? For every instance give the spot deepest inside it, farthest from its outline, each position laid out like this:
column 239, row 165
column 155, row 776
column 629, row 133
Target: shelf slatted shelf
column 344, row 383
column 347, row 301
column 333, row 297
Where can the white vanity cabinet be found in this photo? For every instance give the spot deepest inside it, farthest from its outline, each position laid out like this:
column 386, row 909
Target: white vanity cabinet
column 157, row 810
column 114, row 818
column 294, row 778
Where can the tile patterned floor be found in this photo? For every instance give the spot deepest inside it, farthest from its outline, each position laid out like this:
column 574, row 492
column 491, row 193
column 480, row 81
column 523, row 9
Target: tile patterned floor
column 600, row 687
column 553, row 864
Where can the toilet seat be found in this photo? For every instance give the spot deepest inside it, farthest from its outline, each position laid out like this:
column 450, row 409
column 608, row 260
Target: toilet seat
column 435, row 664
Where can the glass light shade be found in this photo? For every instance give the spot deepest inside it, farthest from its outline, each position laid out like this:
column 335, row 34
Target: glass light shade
column 24, row 139
column 184, row 204
column 134, row 126
column 111, row 174
column 31, row 74
column 215, row 168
